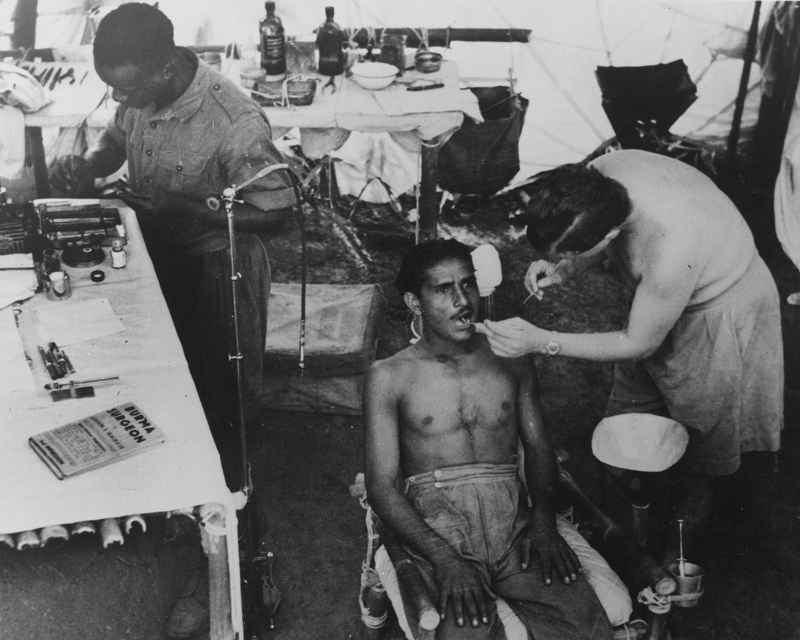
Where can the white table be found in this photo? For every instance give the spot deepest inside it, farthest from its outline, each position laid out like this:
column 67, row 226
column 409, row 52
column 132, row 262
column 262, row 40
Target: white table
column 184, row 473
column 419, row 120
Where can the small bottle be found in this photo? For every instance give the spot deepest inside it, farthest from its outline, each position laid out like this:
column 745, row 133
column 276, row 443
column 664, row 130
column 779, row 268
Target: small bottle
column 330, row 41
column 118, row 256
column 273, row 45
column 352, row 57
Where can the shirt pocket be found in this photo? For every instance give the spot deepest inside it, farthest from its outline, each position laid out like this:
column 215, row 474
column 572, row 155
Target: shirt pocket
column 183, row 171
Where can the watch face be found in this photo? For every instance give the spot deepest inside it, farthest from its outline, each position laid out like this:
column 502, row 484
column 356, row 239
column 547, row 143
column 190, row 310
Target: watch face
column 553, row 347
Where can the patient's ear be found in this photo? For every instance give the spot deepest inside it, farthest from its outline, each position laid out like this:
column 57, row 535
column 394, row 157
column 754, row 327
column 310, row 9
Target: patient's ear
column 412, row 302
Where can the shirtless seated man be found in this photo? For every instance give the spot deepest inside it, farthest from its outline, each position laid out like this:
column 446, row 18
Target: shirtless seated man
column 444, row 418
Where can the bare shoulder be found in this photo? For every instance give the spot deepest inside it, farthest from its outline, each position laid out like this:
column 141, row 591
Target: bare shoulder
column 391, row 370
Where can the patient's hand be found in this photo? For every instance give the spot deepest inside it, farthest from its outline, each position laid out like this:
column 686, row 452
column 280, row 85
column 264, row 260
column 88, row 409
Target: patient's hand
column 541, row 536
column 466, row 587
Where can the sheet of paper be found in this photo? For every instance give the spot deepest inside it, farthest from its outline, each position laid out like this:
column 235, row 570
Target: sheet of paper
column 17, row 278
column 15, row 374
column 70, row 322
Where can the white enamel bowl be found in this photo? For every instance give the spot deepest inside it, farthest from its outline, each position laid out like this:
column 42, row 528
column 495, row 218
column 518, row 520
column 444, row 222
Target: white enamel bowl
column 374, row 76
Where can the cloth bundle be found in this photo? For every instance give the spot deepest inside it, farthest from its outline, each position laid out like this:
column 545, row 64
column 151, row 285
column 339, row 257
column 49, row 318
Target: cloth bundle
column 20, row 93
column 488, row 270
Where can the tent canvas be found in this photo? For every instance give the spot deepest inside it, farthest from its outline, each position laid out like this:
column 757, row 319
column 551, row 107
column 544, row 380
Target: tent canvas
column 555, row 70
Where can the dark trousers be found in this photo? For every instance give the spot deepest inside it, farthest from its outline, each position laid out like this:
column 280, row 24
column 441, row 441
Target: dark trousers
column 476, row 508
column 198, row 291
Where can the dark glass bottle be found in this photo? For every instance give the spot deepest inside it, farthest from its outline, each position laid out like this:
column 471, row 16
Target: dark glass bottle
column 273, row 45
column 330, row 41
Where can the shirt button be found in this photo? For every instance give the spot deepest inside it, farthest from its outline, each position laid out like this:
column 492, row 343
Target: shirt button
column 153, row 125
column 147, row 179
column 216, row 87
column 149, row 152
column 411, row 479
column 437, row 484
column 179, row 167
column 437, row 473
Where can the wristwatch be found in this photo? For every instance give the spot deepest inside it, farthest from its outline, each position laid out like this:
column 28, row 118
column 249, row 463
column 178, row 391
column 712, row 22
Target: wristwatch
column 553, row 347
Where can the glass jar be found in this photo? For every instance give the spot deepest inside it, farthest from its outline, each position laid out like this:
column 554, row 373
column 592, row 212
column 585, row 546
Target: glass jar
column 393, row 51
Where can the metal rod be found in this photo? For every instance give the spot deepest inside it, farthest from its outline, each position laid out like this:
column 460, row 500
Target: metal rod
column 752, row 37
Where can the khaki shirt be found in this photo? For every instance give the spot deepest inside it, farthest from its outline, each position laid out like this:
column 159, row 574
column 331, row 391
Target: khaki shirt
column 213, row 136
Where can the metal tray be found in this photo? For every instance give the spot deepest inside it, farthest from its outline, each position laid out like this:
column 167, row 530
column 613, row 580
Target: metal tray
column 271, row 94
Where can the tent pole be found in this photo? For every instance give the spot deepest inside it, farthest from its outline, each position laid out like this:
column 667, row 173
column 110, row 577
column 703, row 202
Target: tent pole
column 749, row 55
column 428, row 207
column 24, row 36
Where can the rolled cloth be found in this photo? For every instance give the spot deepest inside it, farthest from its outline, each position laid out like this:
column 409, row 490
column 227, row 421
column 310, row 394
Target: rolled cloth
column 488, row 270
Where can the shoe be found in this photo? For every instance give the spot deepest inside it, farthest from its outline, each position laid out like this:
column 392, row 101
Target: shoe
column 180, row 526
column 190, row 615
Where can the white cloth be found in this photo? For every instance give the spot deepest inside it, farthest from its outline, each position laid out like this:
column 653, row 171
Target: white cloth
column 12, row 141
column 16, row 285
column 20, row 93
column 787, row 191
column 366, row 159
column 639, row 442
column 15, row 374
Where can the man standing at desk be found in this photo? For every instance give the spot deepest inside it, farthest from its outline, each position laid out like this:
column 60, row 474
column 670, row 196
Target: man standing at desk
column 187, row 132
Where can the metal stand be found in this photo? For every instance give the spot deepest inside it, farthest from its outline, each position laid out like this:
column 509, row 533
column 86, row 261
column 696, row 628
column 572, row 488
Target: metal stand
column 256, row 569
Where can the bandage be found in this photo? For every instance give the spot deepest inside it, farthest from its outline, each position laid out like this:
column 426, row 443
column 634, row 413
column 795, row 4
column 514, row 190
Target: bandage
column 53, row 532
column 82, row 527
column 488, row 270
column 110, row 532
column 130, row 521
column 28, row 540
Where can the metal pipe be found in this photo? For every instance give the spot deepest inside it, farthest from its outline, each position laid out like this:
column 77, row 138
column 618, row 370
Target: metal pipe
column 749, row 55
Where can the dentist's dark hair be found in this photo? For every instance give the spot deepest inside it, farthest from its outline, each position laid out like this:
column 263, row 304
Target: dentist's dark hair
column 572, row 207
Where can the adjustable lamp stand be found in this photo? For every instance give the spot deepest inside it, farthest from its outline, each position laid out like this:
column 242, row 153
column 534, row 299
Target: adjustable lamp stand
column 256, row 569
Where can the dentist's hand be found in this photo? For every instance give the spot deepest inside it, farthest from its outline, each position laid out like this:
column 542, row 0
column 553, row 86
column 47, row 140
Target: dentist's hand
column 543, row 274
column 72, row 176
column 514, row 337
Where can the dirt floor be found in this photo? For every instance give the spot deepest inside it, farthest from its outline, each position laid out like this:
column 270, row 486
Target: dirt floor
column 304, row 464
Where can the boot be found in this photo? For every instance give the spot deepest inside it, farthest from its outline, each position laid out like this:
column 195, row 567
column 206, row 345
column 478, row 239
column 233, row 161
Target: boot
column 190, row 614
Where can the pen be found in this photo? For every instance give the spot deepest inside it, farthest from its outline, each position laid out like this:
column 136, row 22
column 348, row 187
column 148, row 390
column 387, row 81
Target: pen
column 68, row 363
column 58, row 354
column 53, row 386
column 61, row 370
column 48, row 365
column 435, row 85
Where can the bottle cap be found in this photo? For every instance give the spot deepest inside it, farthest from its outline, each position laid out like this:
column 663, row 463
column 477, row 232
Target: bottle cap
column 270, row 6
column 116, row 243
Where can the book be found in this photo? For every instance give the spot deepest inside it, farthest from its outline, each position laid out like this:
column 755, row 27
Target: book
column 97, row 440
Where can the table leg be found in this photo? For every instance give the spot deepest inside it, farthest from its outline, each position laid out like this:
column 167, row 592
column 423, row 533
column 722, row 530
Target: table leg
column 428, row 206
column 39, row 162
column 218, row 579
